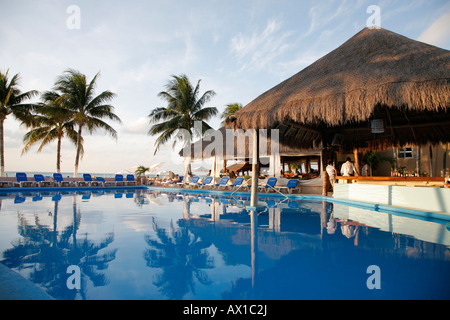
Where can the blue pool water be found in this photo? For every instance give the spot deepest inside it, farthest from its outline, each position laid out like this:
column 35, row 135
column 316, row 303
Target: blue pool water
column 144, row 244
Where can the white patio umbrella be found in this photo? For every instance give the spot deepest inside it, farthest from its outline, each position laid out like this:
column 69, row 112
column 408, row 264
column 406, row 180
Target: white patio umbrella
column 125, row 171
column 155, row 167
column 200, row 169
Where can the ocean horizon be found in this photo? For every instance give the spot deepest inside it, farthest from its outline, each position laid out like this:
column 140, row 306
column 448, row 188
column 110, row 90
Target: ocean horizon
column 30, row 174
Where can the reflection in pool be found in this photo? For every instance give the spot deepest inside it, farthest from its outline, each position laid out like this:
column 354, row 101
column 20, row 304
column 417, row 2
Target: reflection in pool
column 143, row 244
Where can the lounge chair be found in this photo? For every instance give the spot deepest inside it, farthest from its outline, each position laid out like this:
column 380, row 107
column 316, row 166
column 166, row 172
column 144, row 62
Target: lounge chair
column 290, row 186
column 87, row 180
column 180, row 183
column 223, row 182
column 130, row 179
column 22, row 179
column 193, row 182
column 206, row 183
column 119, row 179
column 101, row 181
column 270, row 185
column 237, row 183
column 59, row 180
column 40, row 180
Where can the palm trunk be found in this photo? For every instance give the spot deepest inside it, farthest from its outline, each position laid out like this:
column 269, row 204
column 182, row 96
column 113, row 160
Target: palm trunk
column 58, row 156
column 77, row 158
column 2, row 149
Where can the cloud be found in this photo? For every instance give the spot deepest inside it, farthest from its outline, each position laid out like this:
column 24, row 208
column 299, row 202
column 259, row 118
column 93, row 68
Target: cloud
column 257, row 50
column 139, row 126
column 438, row 33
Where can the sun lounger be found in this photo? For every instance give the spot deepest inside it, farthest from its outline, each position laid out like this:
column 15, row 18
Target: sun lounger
column 270, row 185
column 22, row 180
column 40, row 180
column 290, row 186
column 101, row 181
column 130, row 179
column 237, row 183
column 223, row 182
column 59, row 180
column 87, row 180
column 206, row 183
column 180, row 183
column 193, row 182
column 119, row 179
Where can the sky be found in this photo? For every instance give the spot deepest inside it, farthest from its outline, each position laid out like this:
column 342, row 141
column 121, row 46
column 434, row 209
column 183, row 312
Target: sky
column 239, row 49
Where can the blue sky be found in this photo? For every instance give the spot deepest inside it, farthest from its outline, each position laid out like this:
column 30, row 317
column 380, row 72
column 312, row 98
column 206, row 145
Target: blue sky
column 239, row 49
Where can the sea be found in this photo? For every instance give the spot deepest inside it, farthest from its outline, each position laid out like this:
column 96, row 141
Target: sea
column 30, row 174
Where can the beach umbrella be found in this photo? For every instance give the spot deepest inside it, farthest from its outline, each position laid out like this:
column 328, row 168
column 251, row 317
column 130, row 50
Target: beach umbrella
column 155, row 167
column 125, row 171
column 200, row 169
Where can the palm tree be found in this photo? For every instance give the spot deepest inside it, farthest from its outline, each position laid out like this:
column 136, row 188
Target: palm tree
column 230, row 109
column 88, row 110
column 140, row 172
column 52, row 122
column 11, row 102
column 183, row 110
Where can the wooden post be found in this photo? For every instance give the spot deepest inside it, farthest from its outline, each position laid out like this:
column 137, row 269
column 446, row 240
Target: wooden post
column 357, row 164
column 326, row 179
column 255, row 171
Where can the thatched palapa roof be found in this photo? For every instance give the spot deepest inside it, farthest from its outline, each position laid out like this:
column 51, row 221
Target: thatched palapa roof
column 229, row 144
column 377, row 74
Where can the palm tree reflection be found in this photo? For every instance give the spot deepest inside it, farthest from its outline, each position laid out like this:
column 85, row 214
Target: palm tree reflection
column 48, row 253
column 182, row 256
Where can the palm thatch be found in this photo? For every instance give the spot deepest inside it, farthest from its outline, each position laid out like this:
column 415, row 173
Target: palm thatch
column 377, row 74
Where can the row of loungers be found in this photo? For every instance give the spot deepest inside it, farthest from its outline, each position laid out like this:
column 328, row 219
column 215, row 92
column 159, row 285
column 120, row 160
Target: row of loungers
column 238, row 184
column 22, row 180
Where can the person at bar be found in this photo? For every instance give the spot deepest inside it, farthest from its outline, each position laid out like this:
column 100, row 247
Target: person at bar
column 348, row 168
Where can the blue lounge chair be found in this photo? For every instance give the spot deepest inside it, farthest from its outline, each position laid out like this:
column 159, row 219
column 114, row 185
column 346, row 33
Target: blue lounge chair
column 223, row 182
column 22, row 179
column 88, row 180
column 206, row 183
column 101, row 181
column 290, row 186
column 237, row 183
column 270, row 185
column 193, row 182
column 130, row 179
column 59, row 180
column 119, row 179
column 40, row 180
column 180, row 183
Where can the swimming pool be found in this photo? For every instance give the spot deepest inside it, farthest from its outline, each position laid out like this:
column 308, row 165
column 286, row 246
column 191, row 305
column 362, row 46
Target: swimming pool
column 147, row 244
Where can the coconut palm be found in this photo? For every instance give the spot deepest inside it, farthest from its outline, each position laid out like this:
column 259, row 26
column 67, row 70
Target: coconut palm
column 88, row 110
column 52, row 122
column 141, row 170
column 12, row 102
column 183, row 110
column 230, row 109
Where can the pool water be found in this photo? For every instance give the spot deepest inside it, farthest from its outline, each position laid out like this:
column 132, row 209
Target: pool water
column 144, row 244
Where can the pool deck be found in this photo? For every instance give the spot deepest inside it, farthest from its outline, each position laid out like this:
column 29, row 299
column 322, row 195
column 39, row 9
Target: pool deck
column 15, row 287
